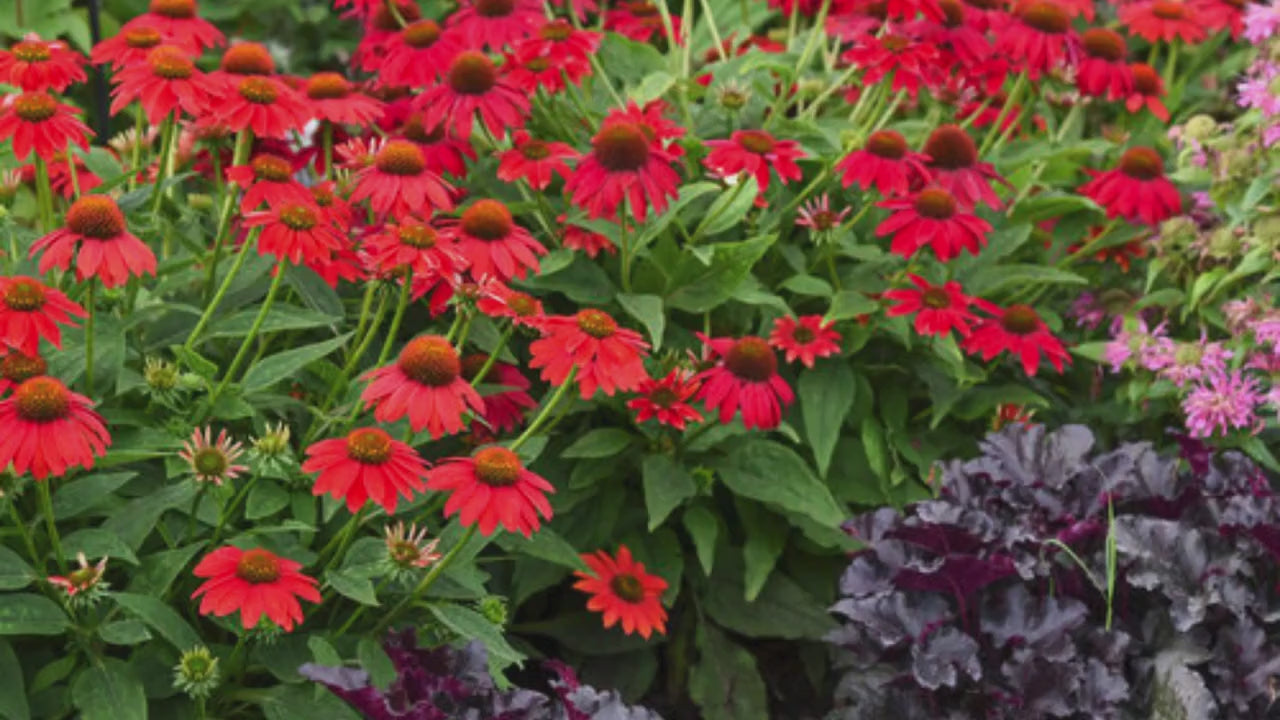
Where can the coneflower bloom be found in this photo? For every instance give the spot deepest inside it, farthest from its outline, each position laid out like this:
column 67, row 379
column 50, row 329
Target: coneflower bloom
column 1136, row 189
column 426, row 384
column 938, row 309
column 933, row 218
column 496, row 24
column 35, row 64
column 414, row 244
column 577, row 237
column 1019, row 330
column 36, row 122
column 493, row 244
column 1163, row 20
column 755, row 152
column 1040, row 38
column 256, row 582
column 380, row 28
column 534, row 161
column 628, row 163
column 445, row 154
column 166, row 82
column 81, row 580
column 805, row 338
column 95, row 233
column 667, row 400
column 212, row 460
column 745, row 377
column 417, row 55
column 909, row 63
column 1226, row 402
column 264, row 105
column 492, row 488
column 30, row 311
column 564, row 47
column 503, row 410
column 177, row 23
column 1104, row 70
column 243, row 59
column 49, row 429
column 817, row 215
column 335, row 99
column 295, row 232
column 18, row 367
column 473, row 86
column 398, row 182
column 885, row 163
column 367, row 464
column 127, row 47
column 954, row 165
column 1148, row 88
column 267, row 179
column 1223, row 15
column 499, row 301
column 408, row 548
column 608, row 357
column 957, row 32
column 623, row 592
column 639, row 20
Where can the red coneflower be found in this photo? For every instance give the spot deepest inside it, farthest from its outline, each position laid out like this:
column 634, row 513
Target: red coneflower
column 909, row 9
column 1222, row 15
column 256, row 582
column 954, row 165
column 212, row 460
column 380, row 27
column 1019, row 330
column 267, row 179
column 639, row 20
column 817, row 215
column 417, row 55
column 493, row 244
column 910, row 63
column 295, row 231
column 628, row 162
column 325, row 194
column 805, row 338
column 242, row 60
column 264, row 105
column 367, row 464
column 503, row 410
column 60, row 178
column 755, row 152
column 83, row 579
column 988, row 14
column 49, row 429
column 499, row 301
column 958, row 32
column 473, row 85
column 30, row 311
column 1148, row 88
column 96, row 234
column 128, row 47
column 445, row 153
column 492, row 488
column 35, row 121
column 1040, row 39
column 576, row 237
column 885, row 163
column 35, row 64
column 177, row 23
column 746, row 377
column 622, row 590
column 608, row 357
column 534, row 161
column 167, row 82
column 1163, row 20
column 667, row 400
column 1136, row 189
column 1103, row 70
column 335, row 99
column 934, row 218
column 939, row 309
column 414, row 244
column 398, row 182
column 496, row 23
column 18, row 367
column 564, row 47
column 424, row 383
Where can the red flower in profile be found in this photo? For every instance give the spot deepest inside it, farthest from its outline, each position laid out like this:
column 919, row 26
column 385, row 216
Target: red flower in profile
column 398, row 182
column 267, row 179
column 30, row 311
column 576, row 237
column 473, row 85
column 60, row 176
column 1019, row 330
column 1103, row 70
column 417, row 55
column 755, row 152
column 628, row 162
column 96, row 234
column 564, row 48
column 242, row 60
column 746, row 377
column 414, row 244
column 496, row 24
column 639, row 20
column 177, row 23
column 911, row 64
column 534, row 161
column 885, row 163
column 492, row 488
column 939, row 309
column 1040, row 38
column 167, row 82
column 380, row 28
column 493, row 244
column 19, row 367
column 256, row 582
column 1148, row 88
column 934, row 218
column 35, row 121
column 264, row 105
column 35, row 64
column 497, row 300
column 1163, row 20
column 49, row 429
column 1136, row 189
column 128, row 47
column 667, row 400
column 622, row 590
column 805, row 338
column 608, row 357
column 444, row 152
column 367, row 464
column 335, row 99
column 959, row 32
column 296, row 232
column 503, row 410
column 954, row 165
column 426, row 384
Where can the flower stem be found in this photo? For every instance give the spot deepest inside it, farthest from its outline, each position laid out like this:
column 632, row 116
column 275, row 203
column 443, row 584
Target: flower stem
column 493, row 356
column 401, row 306
column 342, row 540
column 191, row 516
column 241, row 255
column 163, row 171
column 75, row 177
column 253, row 333
column 427, row 580
column 227, row 511
column 44, row 196
column 239, row 156
column 139, row 119
column 1015, row 95
column 36, row 558
column 88, row 337
column 46, row 507
column 546, row 410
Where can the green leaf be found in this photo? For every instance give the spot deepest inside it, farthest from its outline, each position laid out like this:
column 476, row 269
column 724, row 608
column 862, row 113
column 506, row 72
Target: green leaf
column 160, row 569
column 282, row 317
column 471, row 624
column 109, row 691
column 826, row 396
column 30, row 614
column 599, row 443
column 15, row 573
column 771, row 473
column 766, row 537
column 874, row 446
column 13, row 694
column 160, row 617
column 359, row 589
column 314, row 291
column 730, row 208
column 265, row 499
column 195, row 362
column 648, row 310
column 303, row 701
column 545, row 544
column 697, row 289
column 850, row 304
column 725, row 683
column 97, row 543
column 703, row 527
column 666, row 486
column 101, row 163
column 782, row 609
column 273, row 369
column 375, row 661
column 323, row 652
column 652, row 87
column 81, row 494
column 991, row 278
column 124, row 632
column 1046, row 206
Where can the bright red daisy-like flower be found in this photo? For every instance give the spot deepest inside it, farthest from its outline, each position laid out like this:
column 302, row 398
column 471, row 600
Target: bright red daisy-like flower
column 576, row 237
column 415, row 244
column 367, row 464
column 885, row 163
column 1019, row 330
column 49, row 429
column 909, row 9
column 622, row 590
column 957, row 32
column 242, row 60
column 335, row 99
column 667, row 400
column 933, row 218
column 445, row 154
column 492, row 488
column 178, row 24
column 1136, row 189
column 639, row 20
column 503, row 410
column 30, row 311
column 954, row 164
column 398, row 182
column 939, row 309
column 499, row 301
column 19, row 367
column 564, row 46
column 534, row 161
column 60, row 178
column 417, row 55
column 628, row 163
column 1222, row 15
column 426, row 384
column 1103, row 70
column 1040, row 39
column 607, row 357
column 1074, row 8
column 493, row 244
column 805, row 338
column 1148, row 88
column 473, row 85
column 1163, row 20
column 295, row 231
column 755, row 152
column 746, row 377
column 264, row 105
column 256, row 582
column 35, row 64
column 128, row 47
column 380, row 28
column 268, row 179
column 325, row 194
column 912, row 64
column 167, row 82
column 496, row 23
column 95, row 233
column 35, row 121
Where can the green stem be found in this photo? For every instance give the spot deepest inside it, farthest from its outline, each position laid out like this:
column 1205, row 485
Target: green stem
column 427, row 580
column 167, row 128
column 483, row 372
column 88, row 337
column 36, row 558
column 139, row 119
column 342, row 540
column 50, row 523
column 75, row 175
column 382, row 585
column 625, row 249
column 350, row 365
column 247, row 343
column 239, row 156
column 546, row 410
column 401, row 306
column 241, row 255
column 44, row 195
column 191, row 516
column 227, row 511
column 1015, row 94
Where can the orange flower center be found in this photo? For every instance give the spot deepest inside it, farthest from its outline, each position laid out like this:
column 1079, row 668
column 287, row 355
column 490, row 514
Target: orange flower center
column 298, row 217
column 522, row 304
column 472, row 363
column 421, row 34
column 417, row 132
column 752, row 359
column 556, row 30
column 328, row 86
column 1104, row 43
column 887, row 144
column 538, row 64
column 488, row 220
column 1047, row 17
column 895, row 43
column 370, row 446
column 987, row 4
column 596, row 323
column 271, row 168
column 42, row 399
column 1145, row 79
column 803, row 335
column 1141, row 163
column 170, row 63
column 35, row 107
column 18, row 368
column 472, row 73
column 756, row 141
column 248, row 58
column 177, row 9
column 951, row 148
column 95, row 216
column 495, row 8
column 400, row 157
column 142, row 37
column 535, row 150
column 30, row 51
column 1020, row 320
column 323, row 195
column 663, row 397
column 430, row 360
column 385, row 20
column 621, row 147
column 935, row 203
column 1169, row 10
column 627, row 587
column 258, row 566
column 935, row 298
column 954, row 12
column 24, row 295
column 823, row 220
column 211, row 461
column 497, row 467
column 258, row 90
column 417, row 235
column 642, row 9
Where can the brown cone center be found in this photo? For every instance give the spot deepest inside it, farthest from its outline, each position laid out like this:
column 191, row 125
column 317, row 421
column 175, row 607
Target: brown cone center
column 247, row 58
column 370, row 446
column 596, row 323
column 1141, row 163
column 488, row 220
column 621, row 147
column 1104, row 43
column 400, row 157
column 42, row 399
column 421, row 34
column 18, row 367
column 472, row 73
column 935, row 203
column 627, row 587
column 497, row 467
column 430, row 360
column 950, row 148
column 888, row 144
column 751, row 359
column 35, row 107
column 31, row 51
column 1020, row 320
column 1047, row 17
column 756, row 141
column 24, row 295
column 328, row 86
column 176, row 9
column 95, row 216
column 258, row 90
column 258, row 567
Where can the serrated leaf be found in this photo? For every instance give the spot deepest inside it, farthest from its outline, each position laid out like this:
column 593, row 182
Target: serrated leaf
column 265, row 499
column 273, row 369
column 666, row 486
column 766, row 537
column 109, row 690
column 704, row 528
column 730, row 208
column 30, row 614
column 648, row 310
column 826, row 396
column 160, row 617
column 599, row 443
column 13, row 693
column 15, row 573
column 774, row 474
column 848, row 304
column 471, row 624
column 357, row 588
column 97, row 543
column 84, row 492
column 124, row 632
column 725, row 683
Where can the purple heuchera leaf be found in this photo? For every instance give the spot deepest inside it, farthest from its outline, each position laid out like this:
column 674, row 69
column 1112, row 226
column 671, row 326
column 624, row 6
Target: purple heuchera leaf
column 943, row 657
